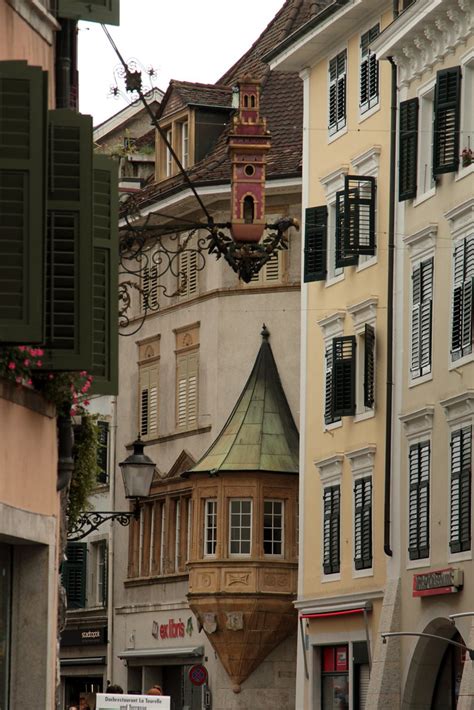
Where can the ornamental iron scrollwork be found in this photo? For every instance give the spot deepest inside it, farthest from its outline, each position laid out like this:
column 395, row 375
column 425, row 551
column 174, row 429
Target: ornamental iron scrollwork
column 89, row 521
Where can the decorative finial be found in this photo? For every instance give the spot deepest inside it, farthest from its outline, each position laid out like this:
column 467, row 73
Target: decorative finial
column 265, row 333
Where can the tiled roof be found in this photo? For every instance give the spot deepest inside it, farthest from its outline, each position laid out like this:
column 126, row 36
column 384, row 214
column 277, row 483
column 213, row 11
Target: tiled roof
column 185, row 93
column 281, row 104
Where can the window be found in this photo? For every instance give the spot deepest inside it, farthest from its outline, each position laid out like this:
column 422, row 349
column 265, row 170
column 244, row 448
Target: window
column 272, row 272
column 446, row 121
column 343, row 376
column 188, row 272
column 316, row 222
column 425, row 181
column 169, row 156
column 334, row 677
column 187, row 366
column 408, row 149
column 363, row 523
column 74, row 571
column 189, row 528
column 467, row 121
column 240, row 530
column 337, row 92
column 329, row 416
column 210, row 527
column 461, row 463
column 462, row 314
column 177, row 534
column 369, row 71
column 355, row 219
column 331, row 531
column 103, row 451
column 100, row 580
column 148, row 402
column 421, row 318
column 419, row 503
column 185, row 144
column 150, row 286
column 273, row 527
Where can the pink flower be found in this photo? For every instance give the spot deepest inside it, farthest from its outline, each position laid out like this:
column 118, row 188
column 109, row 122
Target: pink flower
column 39, row 363
column 22, row 348
column 29, row 382
column 86, row 402
column 11, row 365
column 83, row 373
column 26, row 362
column 39, row 352
column 72, row 412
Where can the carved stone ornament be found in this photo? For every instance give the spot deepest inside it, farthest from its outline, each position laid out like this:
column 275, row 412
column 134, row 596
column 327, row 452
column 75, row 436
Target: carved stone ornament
column 209, row 622
column 235, row 620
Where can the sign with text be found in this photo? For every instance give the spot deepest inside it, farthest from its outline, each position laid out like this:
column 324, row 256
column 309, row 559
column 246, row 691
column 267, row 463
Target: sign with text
column 440, row 581
column 116, row 701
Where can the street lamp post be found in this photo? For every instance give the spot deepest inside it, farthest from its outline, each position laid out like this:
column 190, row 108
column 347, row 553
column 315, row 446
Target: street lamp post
column 137, row 473
column 430, row 636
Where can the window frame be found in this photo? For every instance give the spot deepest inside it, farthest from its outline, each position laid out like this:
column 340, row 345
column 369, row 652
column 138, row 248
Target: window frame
column 336, row 126
column 465, row 285
column 426, row 184
column 329, row 567
column 187, row 387
column 370, row 59
column 362, row 563
column 212, row 540
column 421, row 265
column 240, row 540
column 168, row 154
column 281, row 542
column 419, row 552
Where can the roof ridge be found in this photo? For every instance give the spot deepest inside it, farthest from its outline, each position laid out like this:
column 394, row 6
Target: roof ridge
column 183, row 82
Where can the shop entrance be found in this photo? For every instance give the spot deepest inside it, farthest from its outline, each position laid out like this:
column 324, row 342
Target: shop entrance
column 81, row 689
column 173, row 679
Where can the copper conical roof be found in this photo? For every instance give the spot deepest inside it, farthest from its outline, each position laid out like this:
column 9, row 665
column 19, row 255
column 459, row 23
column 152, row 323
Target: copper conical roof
column 260, row 434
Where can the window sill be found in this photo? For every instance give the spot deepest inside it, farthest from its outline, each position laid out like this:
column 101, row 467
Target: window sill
column 360, row 573
column 333, row 425
column 327, row 578
column 156, row 579
column 420, row 380
column 366, row 264
column 421, row 564
column 465, row 360
column 338, row 134
column 424, row 196
column 370, row 112
column 334, row 280
column 362, row 416
column 464, row 172
column 460, row 556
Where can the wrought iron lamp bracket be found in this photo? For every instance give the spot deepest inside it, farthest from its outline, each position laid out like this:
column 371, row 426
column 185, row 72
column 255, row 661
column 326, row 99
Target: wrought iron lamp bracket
column 89, row 521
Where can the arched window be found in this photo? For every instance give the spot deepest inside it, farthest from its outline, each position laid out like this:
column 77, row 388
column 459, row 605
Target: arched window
column 252, row 101
column 249, row 210
column 246, row 100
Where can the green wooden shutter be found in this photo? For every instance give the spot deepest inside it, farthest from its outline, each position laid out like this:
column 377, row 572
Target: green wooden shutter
column 331, row 531
column 104, row 11
column 447, row 106
column 343, row 373
column 343, row 258
column 369, row 366
column 363, row 523
column 359, row 215
column 23, row 106
column 461, row 462
column 69, row 243
column 408, row 149
column 315, row 247
column 74, row 574
column 103, row 451
column 419, row 501
column 105, row 277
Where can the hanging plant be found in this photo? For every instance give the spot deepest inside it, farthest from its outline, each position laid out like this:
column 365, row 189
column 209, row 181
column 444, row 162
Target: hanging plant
column 86, row 468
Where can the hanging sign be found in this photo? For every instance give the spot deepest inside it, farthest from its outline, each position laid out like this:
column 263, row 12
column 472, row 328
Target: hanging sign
column 440, row 581
column 198, row 674
column 117, row 701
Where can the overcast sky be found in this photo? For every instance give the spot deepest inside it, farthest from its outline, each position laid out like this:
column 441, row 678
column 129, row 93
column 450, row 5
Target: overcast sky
column 192, row 40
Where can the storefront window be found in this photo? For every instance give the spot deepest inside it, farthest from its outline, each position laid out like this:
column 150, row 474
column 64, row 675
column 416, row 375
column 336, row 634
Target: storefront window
column 5, row 587
column 335, row 678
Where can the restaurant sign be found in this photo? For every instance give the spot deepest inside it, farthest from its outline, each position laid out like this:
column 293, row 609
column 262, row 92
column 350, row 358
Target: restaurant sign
column 440, row 581
column 85, row 636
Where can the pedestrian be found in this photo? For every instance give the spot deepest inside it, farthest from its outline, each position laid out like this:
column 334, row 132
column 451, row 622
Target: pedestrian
column 155, row 690
column 114, row 689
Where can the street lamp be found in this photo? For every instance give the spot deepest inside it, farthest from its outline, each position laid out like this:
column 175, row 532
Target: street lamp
column 430, row 636
column 137, row 473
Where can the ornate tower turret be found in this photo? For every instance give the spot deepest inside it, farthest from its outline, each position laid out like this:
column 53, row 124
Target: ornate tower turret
column 248, row 145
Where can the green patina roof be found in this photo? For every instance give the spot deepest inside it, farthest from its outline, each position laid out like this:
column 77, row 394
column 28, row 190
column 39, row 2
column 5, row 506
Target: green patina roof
column 260, row 434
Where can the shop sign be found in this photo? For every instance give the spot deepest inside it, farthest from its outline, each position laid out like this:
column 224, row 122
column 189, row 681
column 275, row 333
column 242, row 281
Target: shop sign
column 441, row 581
column 84, row 637
column 172, row 629
column 112, row 701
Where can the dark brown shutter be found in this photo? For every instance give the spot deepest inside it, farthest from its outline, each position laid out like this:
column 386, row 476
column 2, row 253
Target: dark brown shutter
column 419, row 497
column 408, row 149
column 331, row 531
column 369, row 366
column 74, row 574
column 23, row 111
column 363, row 523
column 461, row 464
column 447, row 106
column 69, row 243
column 359, row 215
column 343, row 388
column 315, row 248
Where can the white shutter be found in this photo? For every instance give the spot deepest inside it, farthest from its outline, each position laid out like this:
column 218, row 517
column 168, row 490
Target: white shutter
column 148, row 402
column 364, row 679
column 187, row 390
column 188, row 273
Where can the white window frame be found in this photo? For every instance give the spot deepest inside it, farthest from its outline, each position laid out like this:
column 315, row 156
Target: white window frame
column 459, row 411
column 163, row 538
column 168, row 154
column 240, row 540
column 336, row 129
column 363, row 313
column 332, row 327
column 330, row 474
column 372, row 103
column 366, row 164
column 177, row 534
column 467, row 114
column 185, row 144
column 280, row 502
column 333, row 183
column 418, row 429
column 149, row 381
column 426, row 185
column 362, row 466
column 210, row 514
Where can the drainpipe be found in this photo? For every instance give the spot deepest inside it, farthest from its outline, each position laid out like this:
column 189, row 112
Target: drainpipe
column 391, row 261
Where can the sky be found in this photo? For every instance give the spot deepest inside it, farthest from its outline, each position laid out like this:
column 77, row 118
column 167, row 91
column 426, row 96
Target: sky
column 191, row 40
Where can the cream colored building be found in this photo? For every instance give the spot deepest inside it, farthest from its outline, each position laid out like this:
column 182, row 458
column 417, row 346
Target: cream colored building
column 432, row 46
column 346, row 161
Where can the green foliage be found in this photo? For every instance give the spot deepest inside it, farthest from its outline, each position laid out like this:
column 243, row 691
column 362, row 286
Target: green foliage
column 86, row 469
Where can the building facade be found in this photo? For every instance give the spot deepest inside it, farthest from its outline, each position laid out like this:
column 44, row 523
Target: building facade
column 345, row 338
column 432, row 499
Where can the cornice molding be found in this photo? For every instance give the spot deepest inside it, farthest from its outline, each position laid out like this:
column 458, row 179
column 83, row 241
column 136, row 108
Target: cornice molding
column 332, row 325
column 363, row 312
column 461, row 218
column 330, row 468
column 362, row 459
column 334, row 181
column 459, row 407
column 423, row 241
column 367, row 162
column 418, row 422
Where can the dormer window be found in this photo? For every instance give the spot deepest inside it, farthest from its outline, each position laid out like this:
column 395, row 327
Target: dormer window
column 169, row 157
column 185, row 144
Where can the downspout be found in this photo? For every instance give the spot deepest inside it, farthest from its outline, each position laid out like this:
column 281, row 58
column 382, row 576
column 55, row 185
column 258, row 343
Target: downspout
column 391, row 261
